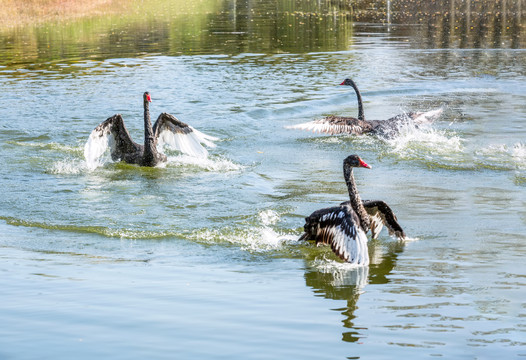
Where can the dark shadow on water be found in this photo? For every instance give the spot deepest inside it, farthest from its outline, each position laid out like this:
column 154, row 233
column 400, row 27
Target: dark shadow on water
column 348, row 283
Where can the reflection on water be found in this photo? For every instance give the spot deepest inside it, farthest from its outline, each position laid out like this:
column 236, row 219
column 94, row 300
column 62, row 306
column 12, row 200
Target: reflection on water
column 340, row 285
column 263, row 26
column 338, row 281
column 223, row 27
column 465, row 24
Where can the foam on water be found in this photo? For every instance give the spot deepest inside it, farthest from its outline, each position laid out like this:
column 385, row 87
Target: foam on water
column 256, row 239
column 414, row 140
column 268, row 217
column 446, row 148
column 410, row 239
column 74, row 166
column 519, row 154
column 503, row 156
column 68, row 167
column 211, row 163
column 259, row 237
column 330, row 140
column 430, row 146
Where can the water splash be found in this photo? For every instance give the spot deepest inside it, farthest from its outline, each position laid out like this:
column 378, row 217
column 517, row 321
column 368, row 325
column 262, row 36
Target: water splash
column 75, row 166
column 257, row 237
column 211, row 163
column 254, row 239
column 95, row 148
column 502, row 156
column 433, row 147
column 68, row 167
column 424, row 139
column 410, row 239
column 269, row 217
column 519, row 154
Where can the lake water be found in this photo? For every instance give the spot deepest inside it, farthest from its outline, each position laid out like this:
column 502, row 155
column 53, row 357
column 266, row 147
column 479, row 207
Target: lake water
column 198, row 259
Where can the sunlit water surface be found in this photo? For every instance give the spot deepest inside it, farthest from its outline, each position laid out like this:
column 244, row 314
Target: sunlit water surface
column 199, row 258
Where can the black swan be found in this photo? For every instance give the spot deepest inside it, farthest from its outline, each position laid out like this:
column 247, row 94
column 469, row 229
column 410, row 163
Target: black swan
column 344, row 227
column 349, row 125
column 167, row 130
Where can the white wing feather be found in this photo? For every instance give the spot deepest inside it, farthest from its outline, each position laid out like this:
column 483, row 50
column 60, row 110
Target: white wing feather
column 98, row 142
column 204, row 138
column 189, row 143
column 321, row 126
column 377, row 222
column 346, row 240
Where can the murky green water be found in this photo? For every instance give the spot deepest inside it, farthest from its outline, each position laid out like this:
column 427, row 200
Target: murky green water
column 199, row 259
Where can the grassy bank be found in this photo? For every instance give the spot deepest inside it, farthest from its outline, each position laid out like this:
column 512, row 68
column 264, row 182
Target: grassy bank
column 14, row 13
column 23, row 13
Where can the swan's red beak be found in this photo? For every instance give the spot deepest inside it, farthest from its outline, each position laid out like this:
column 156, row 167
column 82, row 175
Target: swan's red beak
column 149, row 98
column 364, row 164
column 343, row 83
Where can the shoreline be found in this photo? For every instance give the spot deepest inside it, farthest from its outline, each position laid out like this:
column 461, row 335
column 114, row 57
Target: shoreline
column 15, row 13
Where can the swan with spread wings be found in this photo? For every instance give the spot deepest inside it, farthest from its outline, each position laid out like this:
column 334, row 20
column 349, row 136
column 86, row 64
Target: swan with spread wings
column 167, row 130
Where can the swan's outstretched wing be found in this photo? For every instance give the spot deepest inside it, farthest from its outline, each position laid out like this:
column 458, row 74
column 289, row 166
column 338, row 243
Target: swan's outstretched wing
column 337, row 227
column 381, row 214
column 168, row 130
column 334, row 125
column 113, row 134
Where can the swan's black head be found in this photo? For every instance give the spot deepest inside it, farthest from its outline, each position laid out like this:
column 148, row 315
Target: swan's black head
column 348, row 82
column 355, row 161
column 147, row 97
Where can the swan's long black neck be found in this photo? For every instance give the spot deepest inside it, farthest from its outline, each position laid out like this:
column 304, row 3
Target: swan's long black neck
column 356, row 201
column 359, row 96
column 149, row 143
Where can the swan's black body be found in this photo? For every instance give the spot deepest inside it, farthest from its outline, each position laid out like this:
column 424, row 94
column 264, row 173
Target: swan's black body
column 344, row 227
